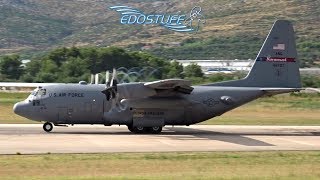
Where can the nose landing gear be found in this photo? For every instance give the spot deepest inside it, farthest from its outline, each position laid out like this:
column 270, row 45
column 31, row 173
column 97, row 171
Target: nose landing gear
column 47, row 127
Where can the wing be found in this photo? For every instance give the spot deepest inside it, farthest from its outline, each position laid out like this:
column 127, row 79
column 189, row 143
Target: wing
column 163, row 88
column 178, row 85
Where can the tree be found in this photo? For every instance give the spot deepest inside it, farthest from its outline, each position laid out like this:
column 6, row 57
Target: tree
column 58, row 55
column 73, row 52
column 44, row 77
column 74, row 64
column 175, row 70
column 49, row 66
column 48, row 72
column 193, row 70
column 33, row 67
column 73, row 70
column 144, row 59
column 10, row 66
column 90, row 56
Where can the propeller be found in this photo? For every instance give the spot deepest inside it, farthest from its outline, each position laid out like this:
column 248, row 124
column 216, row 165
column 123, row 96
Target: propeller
column 111, row 86
column 111, row 92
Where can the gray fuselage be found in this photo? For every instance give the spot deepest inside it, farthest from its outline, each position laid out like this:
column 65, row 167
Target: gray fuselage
column 85, row 104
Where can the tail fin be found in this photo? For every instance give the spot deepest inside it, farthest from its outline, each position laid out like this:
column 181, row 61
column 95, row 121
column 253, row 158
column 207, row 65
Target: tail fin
column 276, row 64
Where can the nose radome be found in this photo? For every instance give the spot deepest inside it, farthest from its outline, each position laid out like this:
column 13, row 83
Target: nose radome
column 19, row 108
column 16, row 108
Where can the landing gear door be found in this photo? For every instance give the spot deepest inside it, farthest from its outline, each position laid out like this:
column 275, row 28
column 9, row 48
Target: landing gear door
column 148, row 117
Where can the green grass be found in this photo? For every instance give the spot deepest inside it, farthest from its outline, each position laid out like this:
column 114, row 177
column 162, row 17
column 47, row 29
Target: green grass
column 295, row 109
column 7, row 100
column 11, row 98
column 205, row 165
column 13, row 95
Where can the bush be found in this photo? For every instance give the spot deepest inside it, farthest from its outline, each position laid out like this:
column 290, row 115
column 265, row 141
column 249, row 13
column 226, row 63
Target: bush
column 310, row 81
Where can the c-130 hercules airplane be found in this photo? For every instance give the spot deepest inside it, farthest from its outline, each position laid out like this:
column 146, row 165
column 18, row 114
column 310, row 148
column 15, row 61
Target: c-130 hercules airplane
column 148, row 107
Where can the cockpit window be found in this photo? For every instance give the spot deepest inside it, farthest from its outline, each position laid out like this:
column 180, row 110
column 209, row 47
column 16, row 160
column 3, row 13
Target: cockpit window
column 37, row 93
column 43, row 92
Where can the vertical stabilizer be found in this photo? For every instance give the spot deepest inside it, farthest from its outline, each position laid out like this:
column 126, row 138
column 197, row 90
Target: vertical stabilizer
column 277, row 64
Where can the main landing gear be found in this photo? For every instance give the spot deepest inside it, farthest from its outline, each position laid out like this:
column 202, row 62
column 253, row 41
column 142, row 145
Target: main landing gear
column 47, row 127
column 145, row 130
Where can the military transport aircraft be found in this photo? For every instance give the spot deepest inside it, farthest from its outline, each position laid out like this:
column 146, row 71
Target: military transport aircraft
column 148, row 107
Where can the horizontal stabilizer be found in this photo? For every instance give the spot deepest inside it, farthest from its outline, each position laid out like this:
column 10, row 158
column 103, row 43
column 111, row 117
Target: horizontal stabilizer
column 280, row 90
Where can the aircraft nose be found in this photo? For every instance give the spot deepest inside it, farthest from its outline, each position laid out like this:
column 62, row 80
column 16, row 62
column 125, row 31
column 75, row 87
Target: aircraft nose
column 20, row 108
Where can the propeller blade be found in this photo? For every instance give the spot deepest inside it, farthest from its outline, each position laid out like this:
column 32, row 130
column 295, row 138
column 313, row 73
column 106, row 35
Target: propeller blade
column 109, row 92
column 107, row 79
column 106, row 92
column 114, row 80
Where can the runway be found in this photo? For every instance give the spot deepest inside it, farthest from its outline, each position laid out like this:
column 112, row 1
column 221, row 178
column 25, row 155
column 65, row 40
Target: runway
column 31, row 139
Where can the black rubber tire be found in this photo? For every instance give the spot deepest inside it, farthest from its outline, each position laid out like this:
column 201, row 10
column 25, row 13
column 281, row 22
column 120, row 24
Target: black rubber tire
column 139, row 130
column 47, row 127
column 155, row 130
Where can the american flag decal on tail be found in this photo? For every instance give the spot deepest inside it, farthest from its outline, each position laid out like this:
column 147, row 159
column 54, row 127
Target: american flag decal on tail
column 279, row 47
